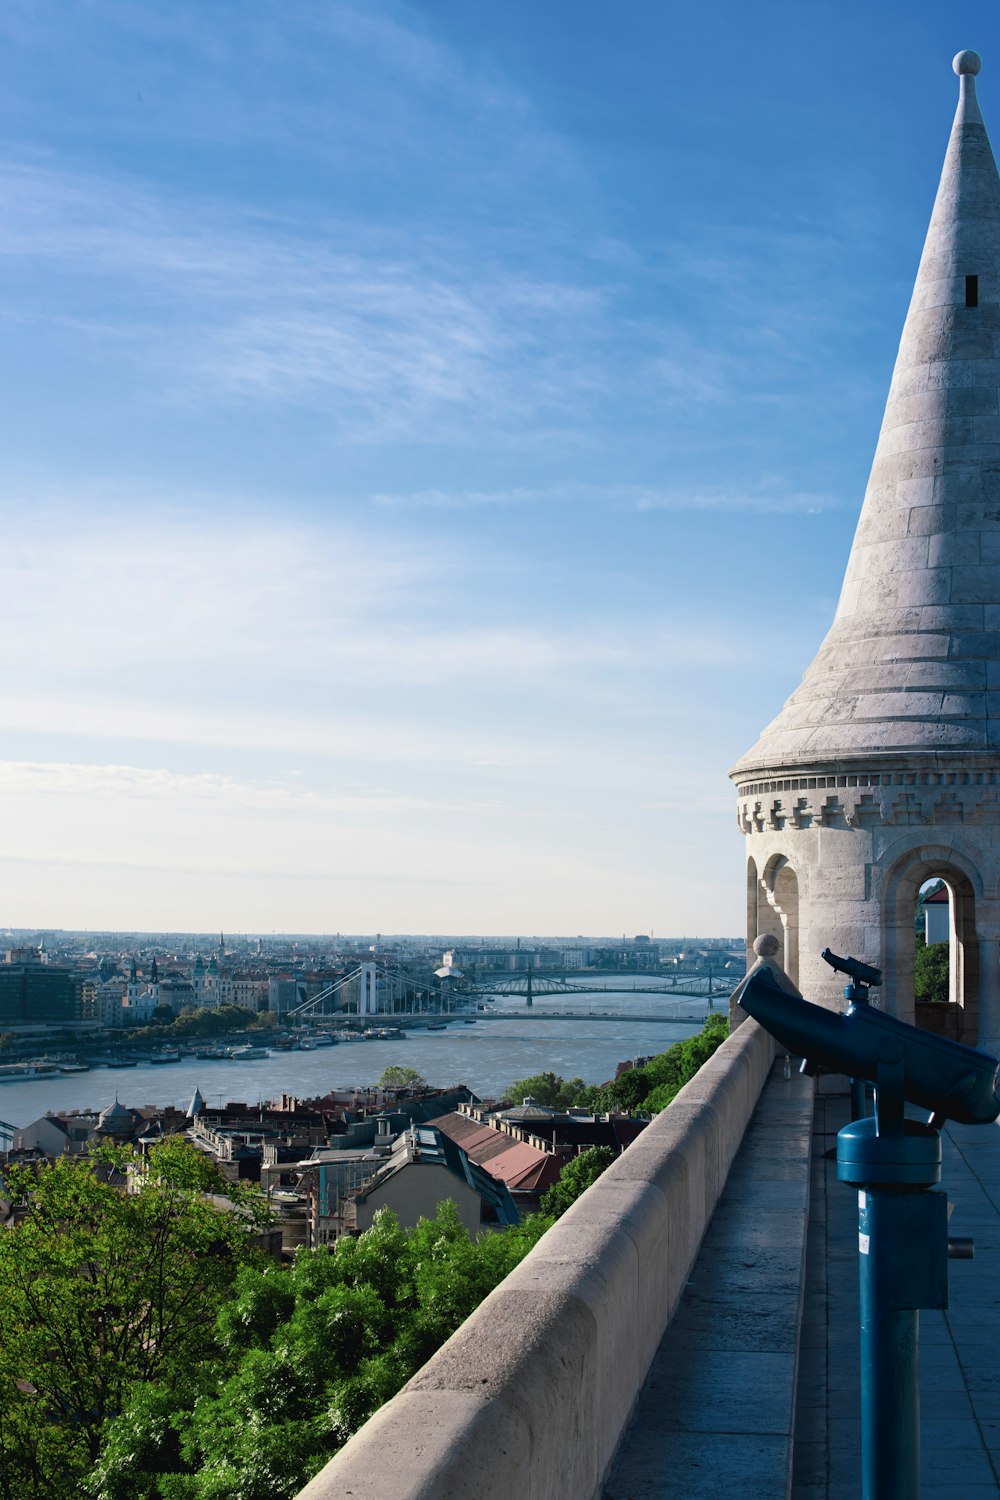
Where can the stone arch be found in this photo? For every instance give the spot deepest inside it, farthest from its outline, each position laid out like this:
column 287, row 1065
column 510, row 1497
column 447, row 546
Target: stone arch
column 753, row 897
column 778, row 910
column 965, row 886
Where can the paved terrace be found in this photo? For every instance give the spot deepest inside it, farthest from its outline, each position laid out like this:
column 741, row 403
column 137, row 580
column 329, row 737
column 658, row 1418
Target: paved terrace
column 754, row 1391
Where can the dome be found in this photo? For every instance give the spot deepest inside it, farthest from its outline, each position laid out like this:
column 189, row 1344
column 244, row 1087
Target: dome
column 116, row 1118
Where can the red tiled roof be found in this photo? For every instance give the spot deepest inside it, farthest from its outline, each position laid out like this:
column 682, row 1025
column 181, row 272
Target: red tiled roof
column 520, row 1166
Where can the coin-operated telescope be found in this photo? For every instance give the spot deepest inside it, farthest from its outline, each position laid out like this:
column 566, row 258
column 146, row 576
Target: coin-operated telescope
column 952, row 1081
column 893, row 1161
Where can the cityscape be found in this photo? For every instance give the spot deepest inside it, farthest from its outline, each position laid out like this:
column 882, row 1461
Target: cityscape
column 91, row 983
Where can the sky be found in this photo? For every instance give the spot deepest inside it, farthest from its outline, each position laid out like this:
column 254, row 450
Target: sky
column 432, row 438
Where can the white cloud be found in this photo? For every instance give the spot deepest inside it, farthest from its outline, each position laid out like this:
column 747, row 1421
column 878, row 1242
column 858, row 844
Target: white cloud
column 377, row 327
column 191, row 792
column 761, row 495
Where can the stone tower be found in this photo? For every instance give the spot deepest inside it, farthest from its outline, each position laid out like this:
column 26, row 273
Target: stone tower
column 883, row 768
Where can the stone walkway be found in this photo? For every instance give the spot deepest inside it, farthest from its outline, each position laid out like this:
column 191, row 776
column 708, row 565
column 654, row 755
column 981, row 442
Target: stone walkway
column 715, row 1415
column 960, row 1359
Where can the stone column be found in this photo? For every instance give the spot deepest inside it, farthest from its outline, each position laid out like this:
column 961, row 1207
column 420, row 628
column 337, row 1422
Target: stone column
column 989, row 995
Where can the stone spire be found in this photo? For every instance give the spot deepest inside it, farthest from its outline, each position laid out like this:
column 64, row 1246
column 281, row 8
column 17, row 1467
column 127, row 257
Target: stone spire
column 911, row 664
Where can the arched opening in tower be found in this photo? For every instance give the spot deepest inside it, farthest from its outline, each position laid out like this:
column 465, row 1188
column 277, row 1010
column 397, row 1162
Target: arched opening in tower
column 773, row 908
column 932, row 947
column 935, row 976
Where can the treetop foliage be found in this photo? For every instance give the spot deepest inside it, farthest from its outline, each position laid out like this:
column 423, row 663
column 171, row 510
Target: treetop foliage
column 306, row 1355
column 575, row 1178
column 396, row 1077
column 102, row 1289
column 644, row 1090
column 931, row 971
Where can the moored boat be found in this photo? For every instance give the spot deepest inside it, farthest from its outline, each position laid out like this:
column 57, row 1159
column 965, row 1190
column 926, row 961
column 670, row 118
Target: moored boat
column 17, row 1072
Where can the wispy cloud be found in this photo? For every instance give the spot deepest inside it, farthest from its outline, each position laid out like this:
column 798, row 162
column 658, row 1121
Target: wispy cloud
column 193, row 791
column 764, row 495
column 267, row 608
column 379, row 333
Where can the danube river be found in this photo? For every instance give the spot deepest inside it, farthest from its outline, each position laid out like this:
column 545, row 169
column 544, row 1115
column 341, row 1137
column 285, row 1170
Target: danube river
column 486, row 1056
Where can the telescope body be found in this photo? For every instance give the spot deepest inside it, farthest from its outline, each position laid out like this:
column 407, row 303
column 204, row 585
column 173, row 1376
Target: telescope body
column 952, row 1081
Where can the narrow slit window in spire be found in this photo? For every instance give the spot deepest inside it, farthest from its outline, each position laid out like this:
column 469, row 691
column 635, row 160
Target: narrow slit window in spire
column 972, row 291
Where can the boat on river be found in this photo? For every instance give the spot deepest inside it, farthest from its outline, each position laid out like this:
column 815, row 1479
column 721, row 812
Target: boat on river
column 248, row 1054
column 18, row 1072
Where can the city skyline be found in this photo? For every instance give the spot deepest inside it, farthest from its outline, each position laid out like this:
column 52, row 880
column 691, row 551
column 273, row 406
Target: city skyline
column 433, row 444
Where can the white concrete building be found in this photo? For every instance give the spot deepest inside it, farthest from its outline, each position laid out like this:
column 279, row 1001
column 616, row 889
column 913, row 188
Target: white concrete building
column 883, row 768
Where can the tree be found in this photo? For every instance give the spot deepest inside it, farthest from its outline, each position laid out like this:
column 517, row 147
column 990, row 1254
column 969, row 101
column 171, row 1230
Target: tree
column 101, row 1289
column 575, row 1178
column 162, row 1015
column 651, row 1088
column 551, row 1091
column 931, row 971
column 407, row 1079
column 313, row 1351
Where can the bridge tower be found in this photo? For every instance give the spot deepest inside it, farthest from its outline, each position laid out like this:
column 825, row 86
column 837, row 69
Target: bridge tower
column 883, row 768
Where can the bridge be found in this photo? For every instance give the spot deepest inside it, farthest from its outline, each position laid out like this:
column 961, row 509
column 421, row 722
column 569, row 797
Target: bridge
column 419, row 1018
column 616, row 1016
column 400, row 993
column 689, row 983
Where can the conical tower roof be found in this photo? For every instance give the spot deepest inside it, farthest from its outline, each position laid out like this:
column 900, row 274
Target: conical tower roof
column 911, row 664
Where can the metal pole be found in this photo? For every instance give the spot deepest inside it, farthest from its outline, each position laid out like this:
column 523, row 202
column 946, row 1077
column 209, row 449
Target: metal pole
column 857, row 994
column 903, row 1263
column 890, row 1400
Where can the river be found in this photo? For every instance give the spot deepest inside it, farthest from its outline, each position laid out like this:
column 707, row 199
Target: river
column 487, row 1057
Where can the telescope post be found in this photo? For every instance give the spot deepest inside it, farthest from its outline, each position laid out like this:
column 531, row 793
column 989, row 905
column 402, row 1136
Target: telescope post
column 857, row 993
column 903, row 1258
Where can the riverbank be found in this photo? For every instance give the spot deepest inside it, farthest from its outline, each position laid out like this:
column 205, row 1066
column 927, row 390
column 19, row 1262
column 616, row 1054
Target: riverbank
column 484, row 1057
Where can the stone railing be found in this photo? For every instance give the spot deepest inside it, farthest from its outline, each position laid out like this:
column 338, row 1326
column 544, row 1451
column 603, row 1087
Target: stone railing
column 530, row 1397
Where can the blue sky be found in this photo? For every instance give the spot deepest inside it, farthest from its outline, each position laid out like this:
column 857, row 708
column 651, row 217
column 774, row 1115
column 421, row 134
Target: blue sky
column 432, row 441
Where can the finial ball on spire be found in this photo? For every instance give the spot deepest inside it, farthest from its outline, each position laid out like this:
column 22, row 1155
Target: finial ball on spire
column 967, row 62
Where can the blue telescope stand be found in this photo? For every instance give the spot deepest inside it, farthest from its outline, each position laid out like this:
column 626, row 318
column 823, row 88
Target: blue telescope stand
column 894, row 1163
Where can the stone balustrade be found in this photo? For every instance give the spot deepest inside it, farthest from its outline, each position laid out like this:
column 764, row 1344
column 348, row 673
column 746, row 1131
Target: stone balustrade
column 530, row 1397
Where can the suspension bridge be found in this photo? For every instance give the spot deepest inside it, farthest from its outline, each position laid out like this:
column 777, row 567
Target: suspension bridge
column 374, row 988
column 690, row 985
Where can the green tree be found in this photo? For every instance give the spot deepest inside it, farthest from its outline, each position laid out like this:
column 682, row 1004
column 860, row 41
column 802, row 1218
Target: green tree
column 651, row 1088
column 575, row 1178
column 402, row 1078
column 313, row 1351
column 100, row 1289
column 931, row 970
column 552, row 1091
